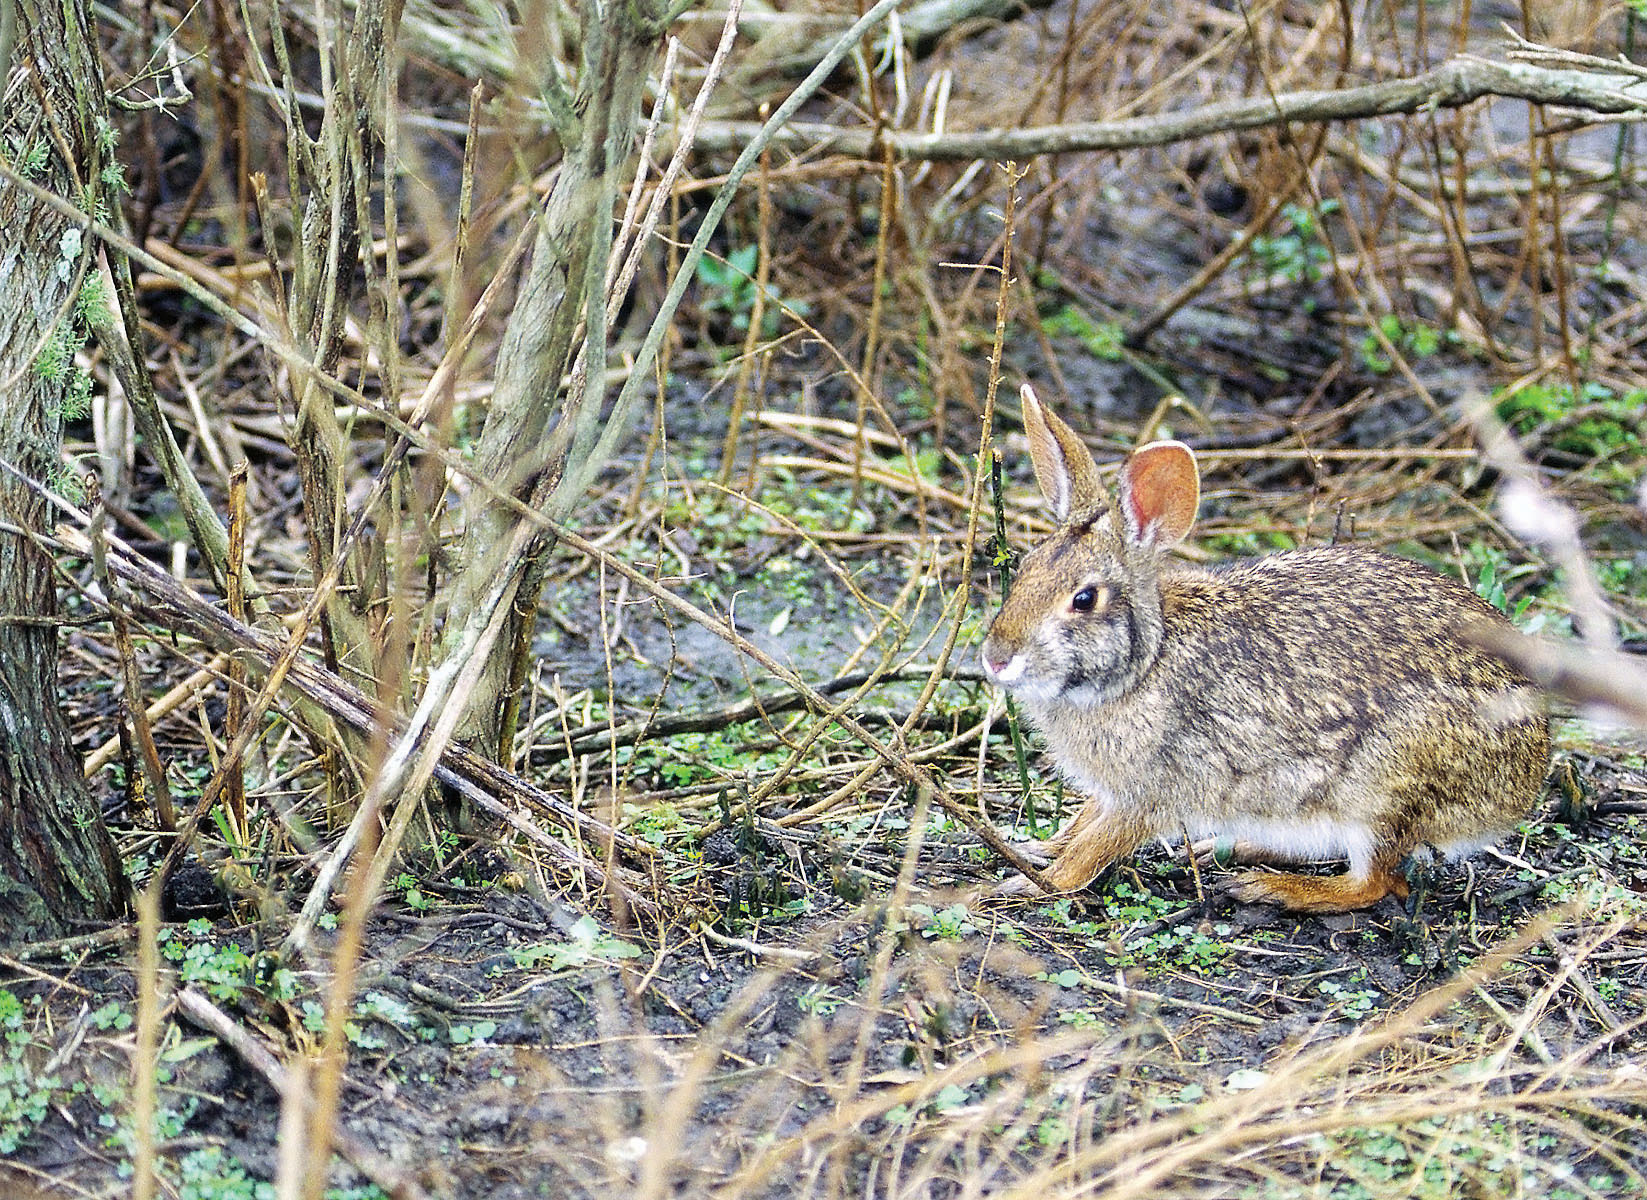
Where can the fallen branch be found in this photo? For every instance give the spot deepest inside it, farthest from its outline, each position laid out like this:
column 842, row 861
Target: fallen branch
column 460, row 768
column 1453, row 84
column 602, row 738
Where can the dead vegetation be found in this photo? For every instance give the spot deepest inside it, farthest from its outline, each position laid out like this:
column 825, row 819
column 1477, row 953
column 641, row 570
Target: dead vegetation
column 633, row 569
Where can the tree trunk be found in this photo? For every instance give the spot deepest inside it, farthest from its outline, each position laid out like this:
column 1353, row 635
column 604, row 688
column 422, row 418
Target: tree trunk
column 57, row 863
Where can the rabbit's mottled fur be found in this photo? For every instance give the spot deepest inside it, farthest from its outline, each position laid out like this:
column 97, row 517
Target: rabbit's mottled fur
column 1314, row 704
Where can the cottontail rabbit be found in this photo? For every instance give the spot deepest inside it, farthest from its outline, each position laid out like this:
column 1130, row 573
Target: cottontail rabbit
column 1313, row 704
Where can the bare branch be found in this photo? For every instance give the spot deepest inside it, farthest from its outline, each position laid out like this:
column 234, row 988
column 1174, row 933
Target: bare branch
column 1453, row 84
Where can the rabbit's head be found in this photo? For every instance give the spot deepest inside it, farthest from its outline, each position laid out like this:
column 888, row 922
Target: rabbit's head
column 1083, row 621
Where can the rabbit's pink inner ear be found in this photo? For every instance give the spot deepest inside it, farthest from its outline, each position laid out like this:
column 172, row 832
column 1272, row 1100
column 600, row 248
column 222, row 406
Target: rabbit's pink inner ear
column 1160, row 490
column 1063, row 465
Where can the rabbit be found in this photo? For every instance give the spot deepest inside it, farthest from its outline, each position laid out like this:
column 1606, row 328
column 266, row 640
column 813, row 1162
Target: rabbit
column 1312, row 704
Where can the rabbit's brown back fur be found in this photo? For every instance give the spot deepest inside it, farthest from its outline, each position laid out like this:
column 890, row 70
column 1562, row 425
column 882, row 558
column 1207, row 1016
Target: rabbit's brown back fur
column 1314, row 704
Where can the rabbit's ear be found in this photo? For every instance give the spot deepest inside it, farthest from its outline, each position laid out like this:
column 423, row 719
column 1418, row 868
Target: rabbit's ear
column 1063, row 465
column 1160, row 491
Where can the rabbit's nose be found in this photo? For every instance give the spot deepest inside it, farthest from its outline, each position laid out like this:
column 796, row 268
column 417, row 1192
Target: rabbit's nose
column 996, row 661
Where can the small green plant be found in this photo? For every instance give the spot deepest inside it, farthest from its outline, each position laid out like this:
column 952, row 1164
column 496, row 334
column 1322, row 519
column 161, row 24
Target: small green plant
column 1593, row 422
column 415, row 897
column 1433, row 1158
column 224, row 971
column 1101, row 339
column 1492, row 570
column 655, row 823
column 471, row 1033
column 587, row 943
column 949, row 1096
column 211, row 1173
column 1198, row 949
column 1353, row 1004
column 820, row 1000
column 25, row 1091
column 1124, row 902
column 1249, row 543
column 729, row 285
column 1067, row 978
column 1300, row 253
column 1623, row 576
column 111, row 1016
column 947, row 924
column 704, row 757
column 1184, row 947
column 1062, row 912
column 1413, row 341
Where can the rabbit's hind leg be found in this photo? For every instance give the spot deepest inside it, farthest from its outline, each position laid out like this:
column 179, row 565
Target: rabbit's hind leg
column 1322, row 893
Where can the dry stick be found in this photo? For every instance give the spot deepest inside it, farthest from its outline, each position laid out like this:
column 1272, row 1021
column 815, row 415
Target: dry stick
column 601, row 738
column 153, row 772
column 536, row 434
column 752, row 335
column 292, row 1135
column 685, row 141
column 260, row 1058
column 461, row 233
column 115, row 324
column 1590, row 677
column 146, row 1050
column 427, row 733
column 981, row 471
column 1534, row 516
column 877, row 304
column 234, row 709
column 328, row 582
column 643, row 157
column 169, row 703
column 1581, row 982
column 1454, row 83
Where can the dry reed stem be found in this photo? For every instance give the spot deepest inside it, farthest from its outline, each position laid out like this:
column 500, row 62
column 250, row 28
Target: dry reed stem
column 235, row 599
column 146, row 1052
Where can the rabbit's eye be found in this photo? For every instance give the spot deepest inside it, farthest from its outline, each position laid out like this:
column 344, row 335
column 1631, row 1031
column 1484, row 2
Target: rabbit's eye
column 1088, row 598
